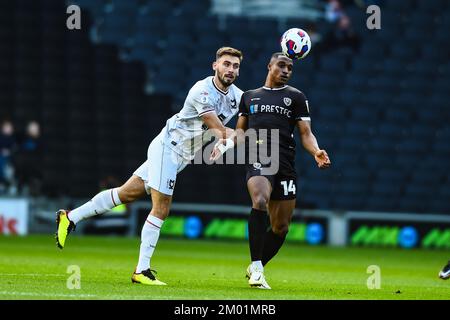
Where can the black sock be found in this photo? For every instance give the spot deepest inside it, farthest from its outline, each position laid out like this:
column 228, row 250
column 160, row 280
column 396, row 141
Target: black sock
column 257, row 226
column 272, row 243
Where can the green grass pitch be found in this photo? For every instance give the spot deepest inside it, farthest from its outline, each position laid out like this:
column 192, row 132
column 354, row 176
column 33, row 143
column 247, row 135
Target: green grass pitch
column 33, row 268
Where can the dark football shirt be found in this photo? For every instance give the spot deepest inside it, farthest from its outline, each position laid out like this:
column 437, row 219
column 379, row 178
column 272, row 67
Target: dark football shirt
column 277, row 108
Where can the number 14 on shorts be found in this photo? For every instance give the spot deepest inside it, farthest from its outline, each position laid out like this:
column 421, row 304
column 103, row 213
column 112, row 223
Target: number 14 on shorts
column 288, row 187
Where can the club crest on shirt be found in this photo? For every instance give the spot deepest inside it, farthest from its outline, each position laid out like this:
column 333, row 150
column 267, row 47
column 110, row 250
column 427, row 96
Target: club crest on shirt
column 170, row 184
column 287, row 101
column 233, row 103
column 204, row 97
column 257, row 165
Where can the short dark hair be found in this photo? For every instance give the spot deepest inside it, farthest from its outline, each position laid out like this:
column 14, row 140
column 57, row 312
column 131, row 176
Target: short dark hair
column 276, row 55
column 229, row 51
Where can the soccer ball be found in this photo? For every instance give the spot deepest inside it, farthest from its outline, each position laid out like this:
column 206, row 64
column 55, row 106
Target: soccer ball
column 295, row 43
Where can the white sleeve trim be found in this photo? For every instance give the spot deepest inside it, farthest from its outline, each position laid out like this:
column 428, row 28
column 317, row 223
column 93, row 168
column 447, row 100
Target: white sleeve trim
column 205, row 112
column 304, row 118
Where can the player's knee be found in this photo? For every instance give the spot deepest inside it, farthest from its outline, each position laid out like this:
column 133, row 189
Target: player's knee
column 160, row 212
column 131, row 190
column 281, row 229
column 260, row 202
column 127, row 196
column 161, row 209
column 124, row 197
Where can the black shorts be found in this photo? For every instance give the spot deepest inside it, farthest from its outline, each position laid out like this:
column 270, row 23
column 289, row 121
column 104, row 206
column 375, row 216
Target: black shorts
column 284, row 182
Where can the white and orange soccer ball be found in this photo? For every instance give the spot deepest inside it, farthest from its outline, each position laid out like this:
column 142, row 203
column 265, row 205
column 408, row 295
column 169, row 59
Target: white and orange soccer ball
column 295, row 43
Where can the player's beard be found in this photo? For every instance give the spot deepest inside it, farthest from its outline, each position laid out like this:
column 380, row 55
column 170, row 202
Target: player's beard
column 226, row 82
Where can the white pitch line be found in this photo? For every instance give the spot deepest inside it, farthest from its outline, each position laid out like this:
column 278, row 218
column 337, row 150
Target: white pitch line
column 17, row 293
column 32, row 274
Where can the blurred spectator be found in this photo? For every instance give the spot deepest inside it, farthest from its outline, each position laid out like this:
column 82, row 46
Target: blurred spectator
column 8, row 146
column 32, row 139
column 311, row 29
column 342, row 33
column 109, row 182
column 316, row 40
column 345, row 36
column 333, row 11
column 28, row 160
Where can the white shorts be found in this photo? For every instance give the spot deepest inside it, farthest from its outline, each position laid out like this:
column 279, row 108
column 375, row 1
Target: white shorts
column 160, row 170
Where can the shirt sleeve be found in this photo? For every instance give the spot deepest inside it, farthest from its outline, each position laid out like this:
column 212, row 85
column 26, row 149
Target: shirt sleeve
column 243, row 111
column 301, row 108
column 202, row 103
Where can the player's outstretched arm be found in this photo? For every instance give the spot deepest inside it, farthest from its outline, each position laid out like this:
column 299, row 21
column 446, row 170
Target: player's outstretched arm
column 309, row 142
column 212, row 121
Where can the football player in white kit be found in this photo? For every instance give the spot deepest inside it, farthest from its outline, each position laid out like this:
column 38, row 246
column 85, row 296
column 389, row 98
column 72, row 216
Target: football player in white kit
column 210, row 104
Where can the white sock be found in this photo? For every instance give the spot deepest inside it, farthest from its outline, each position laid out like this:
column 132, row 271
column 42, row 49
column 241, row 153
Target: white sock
column 257, row 265
column 101, row 203
column 149, row 238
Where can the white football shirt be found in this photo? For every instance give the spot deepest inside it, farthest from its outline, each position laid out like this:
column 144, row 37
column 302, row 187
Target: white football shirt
column 185, row 131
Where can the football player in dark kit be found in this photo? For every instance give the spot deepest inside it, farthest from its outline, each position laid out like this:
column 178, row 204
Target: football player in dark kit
column 281, row 107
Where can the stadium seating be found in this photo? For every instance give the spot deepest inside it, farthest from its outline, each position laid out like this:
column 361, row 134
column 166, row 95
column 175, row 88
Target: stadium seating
column 380, row 113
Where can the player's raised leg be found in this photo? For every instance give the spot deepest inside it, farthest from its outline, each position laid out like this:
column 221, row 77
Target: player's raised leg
column 259, row 188
column 103, row 202
column 149, row 238
column 280, row 217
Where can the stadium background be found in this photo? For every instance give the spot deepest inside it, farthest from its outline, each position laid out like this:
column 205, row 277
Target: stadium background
column 379, row 105
column 381, row 112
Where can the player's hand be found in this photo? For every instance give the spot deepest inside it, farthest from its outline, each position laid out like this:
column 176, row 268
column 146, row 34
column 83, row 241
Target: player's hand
column 322, row 159
column 215, row 154
column 220, row 148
